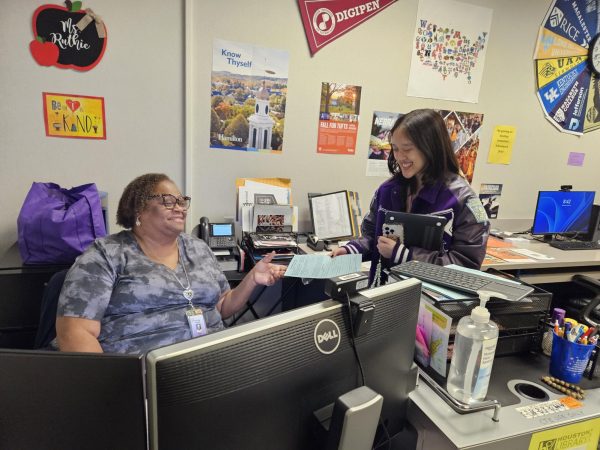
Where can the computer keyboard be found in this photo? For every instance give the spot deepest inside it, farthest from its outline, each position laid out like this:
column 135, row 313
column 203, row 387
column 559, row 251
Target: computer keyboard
column 461, row 280
column 575, row 245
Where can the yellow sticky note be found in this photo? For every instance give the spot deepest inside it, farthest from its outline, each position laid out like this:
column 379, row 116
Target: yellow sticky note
column 502, row 144
column 582, row 435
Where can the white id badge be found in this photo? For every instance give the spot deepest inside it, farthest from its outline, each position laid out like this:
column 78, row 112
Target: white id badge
column 196, row 322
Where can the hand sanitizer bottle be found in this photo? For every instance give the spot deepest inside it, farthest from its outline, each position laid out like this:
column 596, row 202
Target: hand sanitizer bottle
column 473, row 356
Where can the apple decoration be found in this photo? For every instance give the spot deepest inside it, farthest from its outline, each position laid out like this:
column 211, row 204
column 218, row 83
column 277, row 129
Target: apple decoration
column 44, row 53
column 67, row 37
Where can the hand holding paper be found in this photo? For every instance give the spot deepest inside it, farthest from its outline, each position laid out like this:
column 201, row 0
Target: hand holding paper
column 323, row 266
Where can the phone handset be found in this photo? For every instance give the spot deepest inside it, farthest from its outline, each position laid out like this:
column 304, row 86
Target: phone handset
column 204, row 229
column 315, row 243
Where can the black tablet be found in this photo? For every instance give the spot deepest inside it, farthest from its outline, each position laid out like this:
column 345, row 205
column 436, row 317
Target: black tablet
column 418, row 230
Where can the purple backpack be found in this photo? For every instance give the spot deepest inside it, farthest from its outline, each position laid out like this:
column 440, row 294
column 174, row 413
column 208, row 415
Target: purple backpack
column 56, row 225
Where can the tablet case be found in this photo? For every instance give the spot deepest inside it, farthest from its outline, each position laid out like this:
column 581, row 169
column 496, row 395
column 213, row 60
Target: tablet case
column 418, row 230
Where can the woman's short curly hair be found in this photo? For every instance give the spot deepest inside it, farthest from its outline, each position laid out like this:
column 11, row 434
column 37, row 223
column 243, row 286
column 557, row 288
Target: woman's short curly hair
column 135, row 196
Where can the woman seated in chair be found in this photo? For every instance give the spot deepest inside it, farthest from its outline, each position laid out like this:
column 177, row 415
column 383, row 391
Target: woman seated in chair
column 150, row 285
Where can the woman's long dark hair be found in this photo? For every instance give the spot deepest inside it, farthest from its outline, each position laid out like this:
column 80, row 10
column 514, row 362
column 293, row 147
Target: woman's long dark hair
column 427, row 131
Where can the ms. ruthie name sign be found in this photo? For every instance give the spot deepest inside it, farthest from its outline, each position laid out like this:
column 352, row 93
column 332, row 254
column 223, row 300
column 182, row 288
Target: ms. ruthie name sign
column 69, row 38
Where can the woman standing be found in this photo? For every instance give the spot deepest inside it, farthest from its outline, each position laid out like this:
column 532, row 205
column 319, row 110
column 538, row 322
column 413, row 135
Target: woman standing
column 426, row 179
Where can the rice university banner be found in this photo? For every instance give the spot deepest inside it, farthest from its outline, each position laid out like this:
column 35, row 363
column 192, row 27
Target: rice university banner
column 326, row 20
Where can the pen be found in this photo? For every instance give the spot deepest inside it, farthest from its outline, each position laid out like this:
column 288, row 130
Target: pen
column 567, row 330
column 589, row 332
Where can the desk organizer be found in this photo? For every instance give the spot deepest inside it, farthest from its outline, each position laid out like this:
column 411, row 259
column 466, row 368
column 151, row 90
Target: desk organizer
column 520, row 323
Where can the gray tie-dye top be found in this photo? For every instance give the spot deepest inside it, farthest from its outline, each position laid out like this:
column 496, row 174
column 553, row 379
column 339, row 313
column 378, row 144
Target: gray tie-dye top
column 140, row 303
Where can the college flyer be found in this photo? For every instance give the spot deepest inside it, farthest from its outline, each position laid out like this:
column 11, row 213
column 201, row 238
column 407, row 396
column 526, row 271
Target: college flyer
column 248, row 95
column 489, row 194
column 432, row 337
column 379, row 143
column 338, row 118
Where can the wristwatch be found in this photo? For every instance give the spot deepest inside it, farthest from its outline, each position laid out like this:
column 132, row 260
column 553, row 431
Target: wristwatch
column 594, row 54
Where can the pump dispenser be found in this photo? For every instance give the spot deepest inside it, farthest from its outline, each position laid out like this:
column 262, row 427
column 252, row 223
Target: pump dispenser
column 473, row 355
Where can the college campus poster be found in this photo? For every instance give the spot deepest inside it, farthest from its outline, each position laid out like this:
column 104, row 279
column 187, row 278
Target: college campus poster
column 248, row 97
column 338, row 118
column 448, row 51
column 463, row 129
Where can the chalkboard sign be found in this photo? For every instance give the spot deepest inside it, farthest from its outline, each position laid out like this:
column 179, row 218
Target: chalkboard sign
column 67, row 38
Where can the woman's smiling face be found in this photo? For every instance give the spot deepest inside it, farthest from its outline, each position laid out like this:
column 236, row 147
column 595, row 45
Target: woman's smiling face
column 410, row 159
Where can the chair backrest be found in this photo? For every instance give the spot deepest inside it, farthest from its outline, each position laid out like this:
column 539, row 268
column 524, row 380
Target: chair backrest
column 47, row 325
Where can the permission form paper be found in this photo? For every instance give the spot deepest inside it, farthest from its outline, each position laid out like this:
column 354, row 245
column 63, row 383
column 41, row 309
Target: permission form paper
column 323, row 266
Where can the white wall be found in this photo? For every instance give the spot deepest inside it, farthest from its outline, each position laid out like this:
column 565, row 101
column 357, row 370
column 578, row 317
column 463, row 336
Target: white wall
column 141, row 78
column 142, row 82
column 376, row 56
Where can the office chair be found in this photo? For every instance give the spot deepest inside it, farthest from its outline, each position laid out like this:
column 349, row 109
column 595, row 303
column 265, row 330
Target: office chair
column 588, row 309
column 47, row 325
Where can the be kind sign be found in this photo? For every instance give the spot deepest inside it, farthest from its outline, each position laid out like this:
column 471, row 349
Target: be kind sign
column 69, row 38
column 74, row 116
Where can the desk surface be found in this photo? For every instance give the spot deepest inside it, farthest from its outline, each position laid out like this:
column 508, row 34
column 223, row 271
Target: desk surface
column 563, row 265
column 428, row 411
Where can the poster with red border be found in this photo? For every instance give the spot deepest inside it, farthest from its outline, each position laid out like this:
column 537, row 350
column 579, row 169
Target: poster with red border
column 74, row 116
column 338, row 118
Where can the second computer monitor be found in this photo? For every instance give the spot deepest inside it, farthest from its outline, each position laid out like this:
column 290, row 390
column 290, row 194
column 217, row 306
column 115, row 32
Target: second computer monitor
column 563, row 212
column 331, row 216
column 258, row 385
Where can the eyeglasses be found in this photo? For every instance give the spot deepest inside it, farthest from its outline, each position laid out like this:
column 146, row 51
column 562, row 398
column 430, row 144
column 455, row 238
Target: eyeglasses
column 169, row 201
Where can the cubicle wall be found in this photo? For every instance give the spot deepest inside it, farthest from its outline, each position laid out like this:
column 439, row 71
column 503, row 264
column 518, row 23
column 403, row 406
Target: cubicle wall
column 376, row 56
column 156, row 121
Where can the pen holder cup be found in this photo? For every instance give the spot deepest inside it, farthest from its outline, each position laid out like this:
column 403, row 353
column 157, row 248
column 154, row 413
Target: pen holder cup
column 569, row 359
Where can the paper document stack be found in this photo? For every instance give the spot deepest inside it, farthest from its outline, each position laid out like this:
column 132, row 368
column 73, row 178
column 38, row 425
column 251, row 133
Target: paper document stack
column 261, row 202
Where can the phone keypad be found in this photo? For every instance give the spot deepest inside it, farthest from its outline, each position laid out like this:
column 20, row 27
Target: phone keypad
column 222, row 241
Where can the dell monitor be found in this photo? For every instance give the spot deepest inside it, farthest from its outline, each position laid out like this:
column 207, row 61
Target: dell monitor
column 331, row 216
column 258, row 385
column 57, row 400
column 565, row 213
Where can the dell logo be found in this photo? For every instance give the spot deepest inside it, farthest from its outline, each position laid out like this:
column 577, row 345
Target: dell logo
column 327, row 336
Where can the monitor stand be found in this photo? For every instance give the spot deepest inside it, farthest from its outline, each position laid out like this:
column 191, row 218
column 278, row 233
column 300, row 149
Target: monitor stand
column 547, row 238
column 351, row 422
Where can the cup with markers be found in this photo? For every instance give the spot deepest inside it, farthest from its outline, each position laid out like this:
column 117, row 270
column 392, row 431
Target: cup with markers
column 572, row 346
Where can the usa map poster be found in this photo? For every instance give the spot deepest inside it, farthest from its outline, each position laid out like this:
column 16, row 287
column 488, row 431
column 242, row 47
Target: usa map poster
column 448, row 51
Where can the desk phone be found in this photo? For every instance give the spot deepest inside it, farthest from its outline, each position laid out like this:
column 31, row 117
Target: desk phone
column 217, row 235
